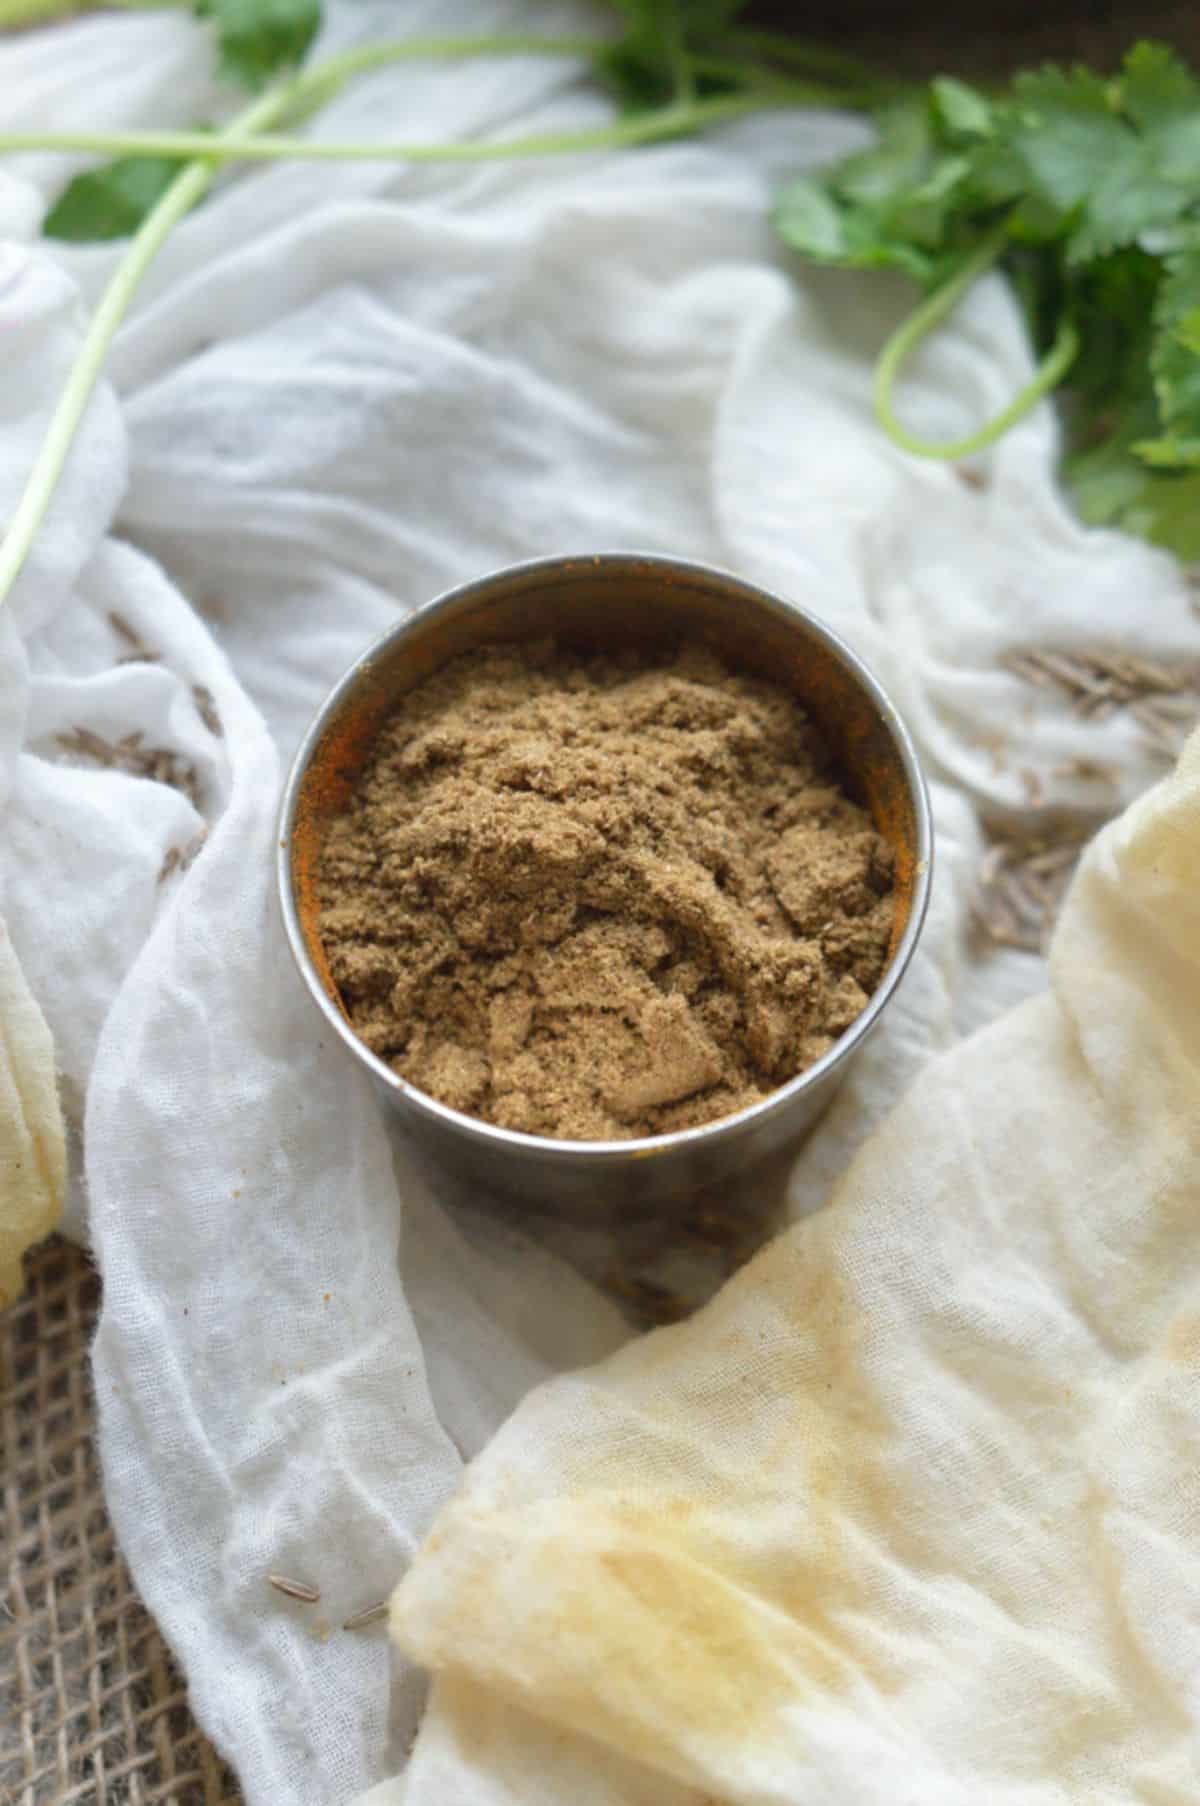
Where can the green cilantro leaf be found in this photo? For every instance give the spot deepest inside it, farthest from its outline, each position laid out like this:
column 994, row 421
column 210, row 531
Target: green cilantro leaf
column 891, row 206
column 1064, row 129
column 1112, row 487
column 1175, row 364
column 1114, row 160
column 960, row 110
column 1086, row 191
column 1174, row 360
column 1167, row 512
column 807, row 217
column 818, row 225
column 1089, row 176
column 925, row 210
column 641, row 69
column 1169, row 452
column 110, row 202
column 1179, row 147
column 1151, row 187
column 895, row 164
column 1131, row 198
column 1086, row 173
column 1187, row 330
column 1112, row 301
column 258, row 38
column 1119, row 491
column 1157, row 89
column 638, row 69
column 886, row 207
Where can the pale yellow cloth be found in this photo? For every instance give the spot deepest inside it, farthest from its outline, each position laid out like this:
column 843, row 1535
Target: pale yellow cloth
column 910, row 1513
column 33, row 1159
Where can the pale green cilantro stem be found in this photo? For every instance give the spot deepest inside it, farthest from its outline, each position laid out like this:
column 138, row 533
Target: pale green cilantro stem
column 931, row 313
column 189, row 186
column 244, row 140
column 682, row 74
column 180, row 197
column 17, row 13
column 244, row 147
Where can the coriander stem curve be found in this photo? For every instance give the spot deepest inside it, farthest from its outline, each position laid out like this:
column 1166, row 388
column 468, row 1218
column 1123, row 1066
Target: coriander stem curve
column 180, row 197
column 931, row 313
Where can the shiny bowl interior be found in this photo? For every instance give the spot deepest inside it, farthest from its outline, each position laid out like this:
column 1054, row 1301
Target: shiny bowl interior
column 605, row 602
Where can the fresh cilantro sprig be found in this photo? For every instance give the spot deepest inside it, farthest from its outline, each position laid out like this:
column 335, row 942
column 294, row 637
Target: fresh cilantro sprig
column 256, row 40
column 1083, row 190
column 111, row 202
column 1086, row 192
column 676, row 67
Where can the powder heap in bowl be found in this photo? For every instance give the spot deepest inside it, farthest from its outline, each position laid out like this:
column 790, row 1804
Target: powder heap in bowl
column 601, row 896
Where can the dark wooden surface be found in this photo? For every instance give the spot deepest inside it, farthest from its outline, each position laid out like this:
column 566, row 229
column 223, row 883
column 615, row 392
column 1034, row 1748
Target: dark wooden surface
column 922, row 37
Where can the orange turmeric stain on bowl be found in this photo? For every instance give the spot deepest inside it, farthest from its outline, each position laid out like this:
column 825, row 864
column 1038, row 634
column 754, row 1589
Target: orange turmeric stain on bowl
column 326, row 788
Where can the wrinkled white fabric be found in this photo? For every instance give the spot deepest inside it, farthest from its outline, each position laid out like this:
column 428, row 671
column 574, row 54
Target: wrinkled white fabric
column 911, row 1511
column 33, row 1152
column 341, row 389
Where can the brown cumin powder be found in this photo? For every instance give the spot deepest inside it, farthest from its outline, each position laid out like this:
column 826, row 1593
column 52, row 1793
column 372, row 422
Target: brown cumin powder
column 601, row 896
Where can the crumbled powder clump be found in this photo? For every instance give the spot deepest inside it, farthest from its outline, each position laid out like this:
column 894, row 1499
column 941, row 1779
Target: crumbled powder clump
column 595, row 896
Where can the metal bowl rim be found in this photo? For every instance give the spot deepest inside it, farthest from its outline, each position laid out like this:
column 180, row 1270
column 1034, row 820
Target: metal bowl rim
column 607, row 1153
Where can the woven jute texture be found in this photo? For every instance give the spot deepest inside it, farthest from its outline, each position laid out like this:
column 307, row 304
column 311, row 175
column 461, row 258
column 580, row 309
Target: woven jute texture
column 92, row 1706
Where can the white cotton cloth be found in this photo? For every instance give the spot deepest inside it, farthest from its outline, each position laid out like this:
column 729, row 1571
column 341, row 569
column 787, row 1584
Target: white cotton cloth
column 33, row 1150
column 911, row 1511
column 341, row 389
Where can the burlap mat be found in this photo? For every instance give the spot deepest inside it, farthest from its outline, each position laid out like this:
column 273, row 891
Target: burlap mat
column 92, row 1707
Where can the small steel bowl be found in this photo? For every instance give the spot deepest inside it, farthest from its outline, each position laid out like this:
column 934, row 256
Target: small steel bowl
column 605, row 602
